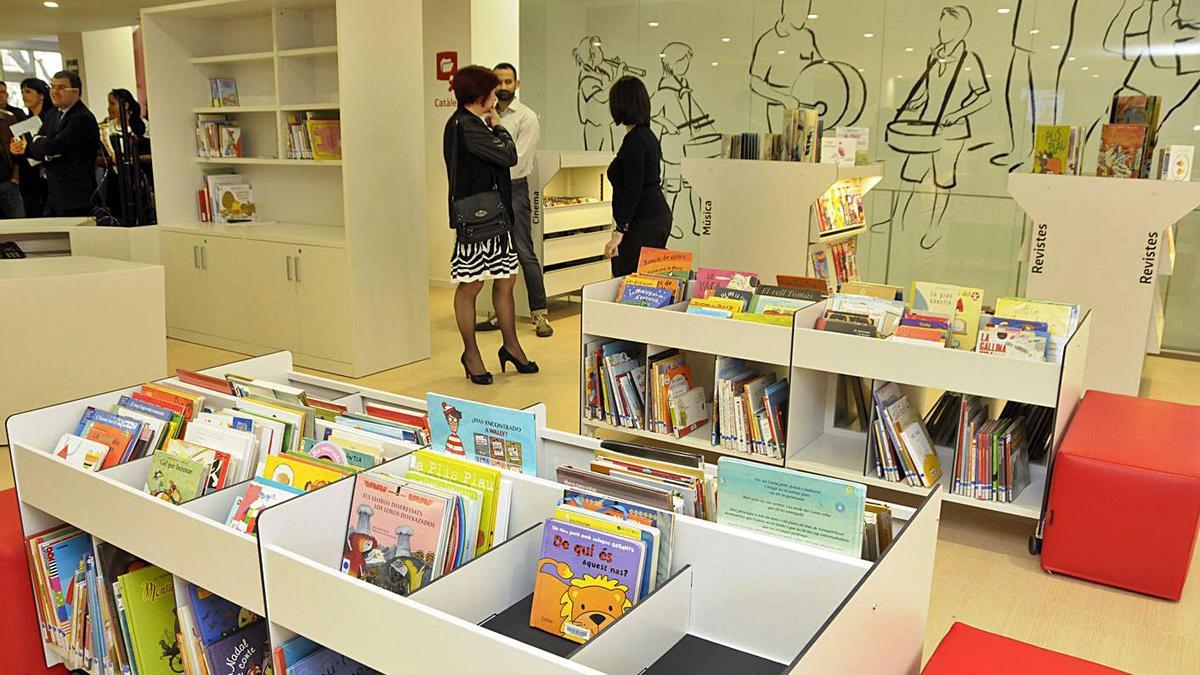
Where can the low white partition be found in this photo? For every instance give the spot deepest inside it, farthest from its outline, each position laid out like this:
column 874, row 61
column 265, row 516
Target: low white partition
column 736, row 596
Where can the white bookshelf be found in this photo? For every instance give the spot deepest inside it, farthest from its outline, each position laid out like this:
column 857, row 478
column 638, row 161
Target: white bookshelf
column 364, row 302
column 748, row 202
column 1091, row 241
column 721, row 577
column 813, row 360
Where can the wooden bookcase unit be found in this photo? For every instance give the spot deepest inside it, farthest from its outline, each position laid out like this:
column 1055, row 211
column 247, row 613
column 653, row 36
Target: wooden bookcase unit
column 747, row 203
column 335, row 268
column 474, row 619
column 812, row 360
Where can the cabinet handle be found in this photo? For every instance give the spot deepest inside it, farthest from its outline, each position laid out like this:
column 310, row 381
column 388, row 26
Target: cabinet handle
column 297, row 265
column 204, row 257
column 196, row 257
column 289, row 268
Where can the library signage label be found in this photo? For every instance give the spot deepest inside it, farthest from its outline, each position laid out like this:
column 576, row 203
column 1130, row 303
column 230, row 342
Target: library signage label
column 1149, row 259
column 1039, row 249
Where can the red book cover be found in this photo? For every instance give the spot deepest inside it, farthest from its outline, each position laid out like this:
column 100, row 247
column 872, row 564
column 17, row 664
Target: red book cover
column 1121, row 147
column 217, row 384
column 395, row 415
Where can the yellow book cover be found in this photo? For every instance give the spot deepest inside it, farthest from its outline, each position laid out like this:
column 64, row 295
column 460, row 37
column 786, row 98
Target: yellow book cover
column 881, row 291
column 628, row 529
column 727, row 304
column 296, row 472
column 326, row 138
column 771, row 319
column 962, row 303
column 471, row 474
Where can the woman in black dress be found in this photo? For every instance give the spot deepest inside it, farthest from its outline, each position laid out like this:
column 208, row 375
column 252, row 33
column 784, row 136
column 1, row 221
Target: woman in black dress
column 36, row 96
column 485, row 152
column 640, row 211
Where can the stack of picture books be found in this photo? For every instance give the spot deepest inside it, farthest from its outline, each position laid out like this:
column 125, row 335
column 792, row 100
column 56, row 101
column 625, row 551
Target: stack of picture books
column 954, row 317
column 840, row 208
column 223, row 91
column 218, row 136
column 759, row 303
column 662, row 279
column 899, row 445
column 836, row 262
column 217, row 636
column 1175, row 162
column 1127, row 142
column 800, row 140
column 827, row 513
column 314, row 136
column 673, row 481
column 1058, row 149
column 991, row 456
column 226, row 198
column 301, row 656
column 627, row 387
column 406, row 530
column 749, row 409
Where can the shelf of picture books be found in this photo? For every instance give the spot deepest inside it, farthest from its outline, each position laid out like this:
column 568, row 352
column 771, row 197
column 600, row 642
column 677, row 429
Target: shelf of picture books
column 940, row 389
column 197, row 457
column 407, row 521
column 600, row 562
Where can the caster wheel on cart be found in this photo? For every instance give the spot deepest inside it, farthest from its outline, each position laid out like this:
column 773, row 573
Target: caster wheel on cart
column 1035, row 545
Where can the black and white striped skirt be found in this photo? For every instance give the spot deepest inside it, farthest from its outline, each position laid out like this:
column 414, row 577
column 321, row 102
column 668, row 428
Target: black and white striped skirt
column 493, row 258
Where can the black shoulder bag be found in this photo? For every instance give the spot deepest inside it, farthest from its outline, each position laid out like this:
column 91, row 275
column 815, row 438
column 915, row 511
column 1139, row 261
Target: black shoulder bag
column 480, row 216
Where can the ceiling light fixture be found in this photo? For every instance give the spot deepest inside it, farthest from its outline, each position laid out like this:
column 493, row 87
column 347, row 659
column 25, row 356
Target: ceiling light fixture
column 781, row 52
column 1034, row 31
column 726, row 39
column 715, row 64
column 868, row 35
column 813, row 16
column 653, row 24
column 1003, row 10
column 50, row 4
column 1055, row 47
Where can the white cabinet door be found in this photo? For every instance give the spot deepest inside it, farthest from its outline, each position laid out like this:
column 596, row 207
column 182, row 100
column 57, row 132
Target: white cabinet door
column 323, row 282
column 188, row 300
column 230, row 302
column 269, row 296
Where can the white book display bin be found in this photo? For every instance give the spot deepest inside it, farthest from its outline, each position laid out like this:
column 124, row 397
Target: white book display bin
column 812, row 360
column 739, row 197
column 732, row 598
column 1103, row 242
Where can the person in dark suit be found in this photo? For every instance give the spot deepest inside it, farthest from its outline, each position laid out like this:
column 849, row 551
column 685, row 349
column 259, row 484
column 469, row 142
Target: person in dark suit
column 641, row 214
column 66, row 146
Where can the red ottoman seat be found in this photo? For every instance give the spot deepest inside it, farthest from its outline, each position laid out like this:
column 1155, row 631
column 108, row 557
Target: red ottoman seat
column 969, row 651
column 21, row 650
column 1125, row 494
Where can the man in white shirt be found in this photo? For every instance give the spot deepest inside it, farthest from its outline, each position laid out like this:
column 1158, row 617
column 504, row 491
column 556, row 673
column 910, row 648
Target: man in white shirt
column 522, row 123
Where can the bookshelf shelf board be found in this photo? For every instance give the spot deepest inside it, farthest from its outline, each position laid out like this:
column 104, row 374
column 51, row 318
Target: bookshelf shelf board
column 303, row 107
column 700, row 439
column 214, row 10
column 232, row 109
column 577, row 207
column 233, row 58
column 308, row 52
column 842, row 455
column 269, row 161
column 965, row 372
column 839, row 235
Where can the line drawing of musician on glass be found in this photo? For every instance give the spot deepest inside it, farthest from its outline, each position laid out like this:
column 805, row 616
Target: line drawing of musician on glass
column 787, row 70
column 596, row 76
column 933, row 125
column 684, row 130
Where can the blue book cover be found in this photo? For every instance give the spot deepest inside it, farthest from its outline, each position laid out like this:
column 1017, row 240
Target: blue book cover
column 776, row 398
column 398, row 433
column 216, row 617
column 646, row 296
column 246, row 652
column 709, row 311
column 297, row 649
column 62, row 560
column 488, row 434
column 802, row 507
column 94, row 416
column 328, row 662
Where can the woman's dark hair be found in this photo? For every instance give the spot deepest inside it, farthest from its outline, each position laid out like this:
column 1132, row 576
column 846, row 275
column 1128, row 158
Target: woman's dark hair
column 136, row 124
column 473, row 84
column 34, row 84
column 629, row 102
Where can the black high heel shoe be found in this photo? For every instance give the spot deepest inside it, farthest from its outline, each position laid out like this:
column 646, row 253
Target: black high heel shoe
column 506, row 358
column 485, row 378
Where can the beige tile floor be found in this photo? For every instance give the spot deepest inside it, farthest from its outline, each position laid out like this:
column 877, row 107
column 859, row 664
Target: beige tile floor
column 983, row 574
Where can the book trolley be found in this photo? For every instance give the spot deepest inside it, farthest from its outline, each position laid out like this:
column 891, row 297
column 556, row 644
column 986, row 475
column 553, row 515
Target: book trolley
column 812, row 360
column 736, row 601
column 741, row 210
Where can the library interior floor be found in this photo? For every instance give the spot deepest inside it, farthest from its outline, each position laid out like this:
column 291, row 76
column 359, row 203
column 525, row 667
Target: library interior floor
column 983, row 573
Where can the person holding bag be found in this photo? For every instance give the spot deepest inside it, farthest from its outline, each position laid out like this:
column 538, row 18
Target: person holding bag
column 479, row 153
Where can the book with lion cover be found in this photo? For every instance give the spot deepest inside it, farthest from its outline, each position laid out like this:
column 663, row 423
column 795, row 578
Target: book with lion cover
column 585, row 580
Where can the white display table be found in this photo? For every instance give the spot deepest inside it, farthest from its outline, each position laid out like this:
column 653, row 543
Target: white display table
column 76, row 325
column 1102, row 243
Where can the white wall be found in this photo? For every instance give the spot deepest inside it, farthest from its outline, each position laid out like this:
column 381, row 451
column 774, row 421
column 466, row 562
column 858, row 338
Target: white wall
column 109, row 57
